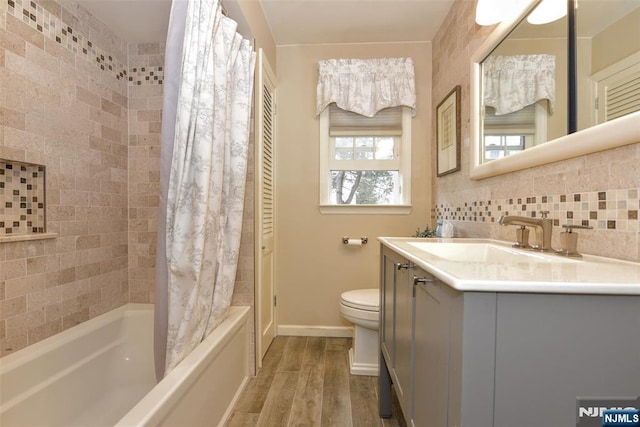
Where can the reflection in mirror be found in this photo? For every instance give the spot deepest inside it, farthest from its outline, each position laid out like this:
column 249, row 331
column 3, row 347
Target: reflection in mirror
column 596, row 132
column 608, row 43
column 524, row 87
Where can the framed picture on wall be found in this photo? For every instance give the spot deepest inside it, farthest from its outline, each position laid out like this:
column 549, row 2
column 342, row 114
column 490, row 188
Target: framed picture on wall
column 448, row 133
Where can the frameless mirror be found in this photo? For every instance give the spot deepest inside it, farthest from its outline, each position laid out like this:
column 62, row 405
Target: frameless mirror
column 524, row 81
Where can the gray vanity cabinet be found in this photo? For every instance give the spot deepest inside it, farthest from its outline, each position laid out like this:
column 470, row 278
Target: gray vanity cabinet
column 496, row 359
column 414, row 337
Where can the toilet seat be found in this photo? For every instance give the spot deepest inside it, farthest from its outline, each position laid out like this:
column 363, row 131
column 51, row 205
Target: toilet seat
column 362, row 299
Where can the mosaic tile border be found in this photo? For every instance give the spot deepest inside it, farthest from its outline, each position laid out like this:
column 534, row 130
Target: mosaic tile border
column 52, row 27
column 603, row 210
column 146, row 76
column 22, row 198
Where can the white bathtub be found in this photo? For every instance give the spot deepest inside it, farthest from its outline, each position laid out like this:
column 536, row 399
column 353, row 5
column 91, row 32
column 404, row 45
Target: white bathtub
column 100, row 373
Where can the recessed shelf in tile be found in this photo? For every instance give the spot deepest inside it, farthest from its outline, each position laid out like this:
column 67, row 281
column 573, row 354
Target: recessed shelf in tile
column 22, row 198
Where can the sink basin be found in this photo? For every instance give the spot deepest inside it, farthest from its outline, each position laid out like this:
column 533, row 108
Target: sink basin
column 487, row 265
column 484, row 252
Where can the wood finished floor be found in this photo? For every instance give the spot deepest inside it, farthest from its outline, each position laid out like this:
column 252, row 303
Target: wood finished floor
column 305, row 381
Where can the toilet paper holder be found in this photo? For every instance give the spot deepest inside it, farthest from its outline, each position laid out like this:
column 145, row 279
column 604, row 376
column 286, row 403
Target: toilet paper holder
column 363, row 240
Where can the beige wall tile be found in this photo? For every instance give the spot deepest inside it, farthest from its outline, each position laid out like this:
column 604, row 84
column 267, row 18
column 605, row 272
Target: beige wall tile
column 12, row 307
column 12, row 119
column 12, row 42
column 23, row 31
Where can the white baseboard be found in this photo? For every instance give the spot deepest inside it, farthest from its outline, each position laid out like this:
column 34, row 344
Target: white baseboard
column 368, row 369
column 315, row 331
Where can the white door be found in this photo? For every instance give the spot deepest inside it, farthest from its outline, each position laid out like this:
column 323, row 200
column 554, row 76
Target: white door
column 265, row 208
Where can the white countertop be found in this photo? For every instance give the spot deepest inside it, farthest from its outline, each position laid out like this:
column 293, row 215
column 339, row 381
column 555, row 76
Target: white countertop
column 547, row 273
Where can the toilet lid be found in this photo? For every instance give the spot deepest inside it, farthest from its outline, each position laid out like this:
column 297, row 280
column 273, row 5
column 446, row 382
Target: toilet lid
column 362, row 299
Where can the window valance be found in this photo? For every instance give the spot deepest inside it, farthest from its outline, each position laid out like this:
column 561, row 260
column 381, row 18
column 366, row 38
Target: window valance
column 366, row 86
column 513, row 82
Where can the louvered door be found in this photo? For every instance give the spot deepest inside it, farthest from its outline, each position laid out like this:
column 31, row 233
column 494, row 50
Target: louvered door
column 265, row 209
column 618, row 93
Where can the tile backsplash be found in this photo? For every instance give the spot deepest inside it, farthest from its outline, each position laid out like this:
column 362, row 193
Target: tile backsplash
column 22, row 207
column 602, row 210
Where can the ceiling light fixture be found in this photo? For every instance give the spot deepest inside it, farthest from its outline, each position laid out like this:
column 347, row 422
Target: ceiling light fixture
column 548, row 11
column 489, row 12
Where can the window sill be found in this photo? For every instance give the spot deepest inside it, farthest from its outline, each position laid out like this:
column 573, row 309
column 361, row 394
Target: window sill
column 27, row 237
column 365, row 209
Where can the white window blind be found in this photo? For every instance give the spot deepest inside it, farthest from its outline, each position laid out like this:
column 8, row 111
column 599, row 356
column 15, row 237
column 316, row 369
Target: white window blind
column 362, row 161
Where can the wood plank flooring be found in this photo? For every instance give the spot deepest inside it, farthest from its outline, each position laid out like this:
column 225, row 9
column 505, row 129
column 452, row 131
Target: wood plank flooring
column 305, row 381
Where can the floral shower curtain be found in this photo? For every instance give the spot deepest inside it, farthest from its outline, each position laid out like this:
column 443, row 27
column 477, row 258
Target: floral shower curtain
column 206, row 130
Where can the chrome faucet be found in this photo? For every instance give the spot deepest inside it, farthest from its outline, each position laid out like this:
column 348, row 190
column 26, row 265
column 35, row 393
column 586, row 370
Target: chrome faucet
column 543, row 228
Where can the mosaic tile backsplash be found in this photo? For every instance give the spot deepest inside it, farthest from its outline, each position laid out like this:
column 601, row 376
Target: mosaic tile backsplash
column 604, row 210
column 22, row 207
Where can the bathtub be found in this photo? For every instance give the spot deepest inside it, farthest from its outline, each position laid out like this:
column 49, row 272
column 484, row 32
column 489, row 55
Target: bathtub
column 101, row 373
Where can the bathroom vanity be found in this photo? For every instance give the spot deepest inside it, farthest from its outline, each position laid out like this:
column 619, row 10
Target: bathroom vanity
column 476, row 333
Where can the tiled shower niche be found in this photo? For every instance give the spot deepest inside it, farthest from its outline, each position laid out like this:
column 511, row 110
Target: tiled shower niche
column 22, row 198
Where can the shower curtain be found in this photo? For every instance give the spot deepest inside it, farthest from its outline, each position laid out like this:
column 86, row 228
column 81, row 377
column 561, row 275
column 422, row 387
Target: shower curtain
column 205, row 135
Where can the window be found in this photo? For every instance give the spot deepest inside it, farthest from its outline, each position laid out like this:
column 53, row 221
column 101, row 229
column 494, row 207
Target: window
column 510, row 133
column 365, row 162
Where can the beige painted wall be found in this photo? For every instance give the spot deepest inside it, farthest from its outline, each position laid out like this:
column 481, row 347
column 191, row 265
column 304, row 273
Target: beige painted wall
column 601, row 189
column 617, row 41
column 312, row 266
column 254, row 16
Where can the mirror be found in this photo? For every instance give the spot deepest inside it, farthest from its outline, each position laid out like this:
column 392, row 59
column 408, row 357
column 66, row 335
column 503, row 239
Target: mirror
column 608, row 60
column 524, row 88
column 508, row 135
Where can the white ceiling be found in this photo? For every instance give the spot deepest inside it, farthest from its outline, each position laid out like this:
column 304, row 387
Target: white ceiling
column 136, row 21
column 354, row 21
column 293, row 21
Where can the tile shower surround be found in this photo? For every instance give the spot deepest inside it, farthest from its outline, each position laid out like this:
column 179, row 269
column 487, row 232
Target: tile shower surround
column 64, row 105
column 53, row 28
column 44, row 285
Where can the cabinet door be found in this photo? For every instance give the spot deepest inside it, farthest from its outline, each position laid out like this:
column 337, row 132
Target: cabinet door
column 401, row 372
column 431, row 353
column 396, row 322
column 387, row 305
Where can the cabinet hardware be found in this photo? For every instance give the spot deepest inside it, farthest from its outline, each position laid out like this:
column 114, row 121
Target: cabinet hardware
column 417, row 280
column 401, row 266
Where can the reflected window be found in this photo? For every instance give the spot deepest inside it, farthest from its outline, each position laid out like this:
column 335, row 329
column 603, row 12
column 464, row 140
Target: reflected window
column 511, row 133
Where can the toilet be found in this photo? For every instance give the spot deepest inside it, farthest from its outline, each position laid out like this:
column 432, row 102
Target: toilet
column 362, row 308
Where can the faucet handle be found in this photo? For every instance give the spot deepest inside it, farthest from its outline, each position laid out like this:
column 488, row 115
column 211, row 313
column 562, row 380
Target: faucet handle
column 544, row 214
column 522, row 238
column 569, row 240
column 570, row 227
